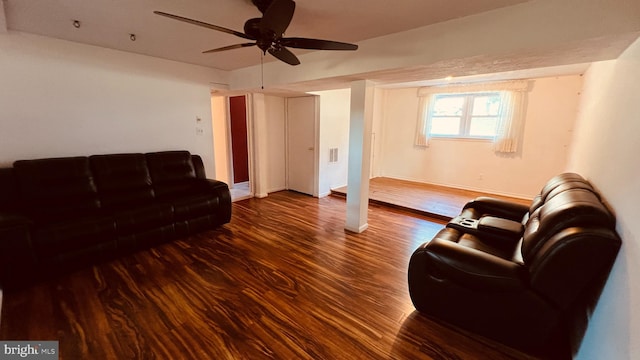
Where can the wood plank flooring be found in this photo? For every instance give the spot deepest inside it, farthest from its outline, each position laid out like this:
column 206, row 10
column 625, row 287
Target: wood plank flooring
column 283, row 280
column 431, row 200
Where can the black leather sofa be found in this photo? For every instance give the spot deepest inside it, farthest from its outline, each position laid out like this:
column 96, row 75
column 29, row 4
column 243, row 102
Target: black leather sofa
column 526, row 276
column 62, row 213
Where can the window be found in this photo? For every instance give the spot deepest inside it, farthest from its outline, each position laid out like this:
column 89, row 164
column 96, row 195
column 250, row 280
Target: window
column 465, row 115
column 493, row 111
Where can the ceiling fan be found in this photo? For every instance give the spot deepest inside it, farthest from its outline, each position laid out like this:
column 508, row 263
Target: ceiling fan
column 267, row 32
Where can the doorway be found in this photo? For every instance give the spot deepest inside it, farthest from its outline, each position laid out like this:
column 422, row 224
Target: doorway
column 240, row 188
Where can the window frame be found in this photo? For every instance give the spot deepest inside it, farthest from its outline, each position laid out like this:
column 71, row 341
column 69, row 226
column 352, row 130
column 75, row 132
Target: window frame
column 466, row 116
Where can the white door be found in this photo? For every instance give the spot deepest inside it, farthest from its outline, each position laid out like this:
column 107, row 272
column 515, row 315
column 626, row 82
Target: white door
column 301, row 144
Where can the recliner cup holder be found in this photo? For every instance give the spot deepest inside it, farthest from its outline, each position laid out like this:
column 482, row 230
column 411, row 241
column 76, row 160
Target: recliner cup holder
column 463, row 222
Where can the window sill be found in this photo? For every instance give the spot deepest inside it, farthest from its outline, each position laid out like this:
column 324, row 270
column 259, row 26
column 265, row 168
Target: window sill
column 462, row 138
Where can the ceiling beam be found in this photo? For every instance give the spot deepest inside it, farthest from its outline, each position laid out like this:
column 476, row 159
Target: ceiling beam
column 533, row 34
column 3, row 18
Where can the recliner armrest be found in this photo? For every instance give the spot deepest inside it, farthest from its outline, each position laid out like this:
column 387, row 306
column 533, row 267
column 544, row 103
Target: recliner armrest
column 499, row 227
column 472, row 268
column 498, row 207
column 491, row 228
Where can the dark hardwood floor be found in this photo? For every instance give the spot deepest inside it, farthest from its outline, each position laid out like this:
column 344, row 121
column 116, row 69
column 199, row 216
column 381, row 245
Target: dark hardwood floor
column 283, row 280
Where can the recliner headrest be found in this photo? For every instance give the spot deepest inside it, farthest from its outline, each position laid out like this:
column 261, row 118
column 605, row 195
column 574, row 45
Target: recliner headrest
column 558, row 180
column 576, row 207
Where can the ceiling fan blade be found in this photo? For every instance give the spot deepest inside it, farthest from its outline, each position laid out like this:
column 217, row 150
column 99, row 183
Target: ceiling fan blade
column 262, row 5
column 278, row 17
column 285, row 55
column 203, row 24
column 230, row 47
column 316, row 44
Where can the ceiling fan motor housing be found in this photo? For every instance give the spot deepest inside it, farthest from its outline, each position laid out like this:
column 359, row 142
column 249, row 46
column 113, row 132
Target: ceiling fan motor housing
column 252, row 28
column 264, row 37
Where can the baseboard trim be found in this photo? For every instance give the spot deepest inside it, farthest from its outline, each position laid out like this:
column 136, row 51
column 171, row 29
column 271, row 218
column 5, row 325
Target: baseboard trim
column 276, row 190
column 357, row 230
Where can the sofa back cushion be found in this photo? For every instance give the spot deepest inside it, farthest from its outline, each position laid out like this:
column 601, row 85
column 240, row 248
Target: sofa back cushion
column 122, row 180
column 55, row 188
column 198, row 166
column 172, row 172
column 564, row 180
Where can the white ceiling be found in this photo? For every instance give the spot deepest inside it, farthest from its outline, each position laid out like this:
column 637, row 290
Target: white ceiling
column 481, row 40
column 109, row 23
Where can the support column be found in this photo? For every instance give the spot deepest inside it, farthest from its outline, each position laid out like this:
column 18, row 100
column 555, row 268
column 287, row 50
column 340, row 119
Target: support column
column 359, row 155
column 3, row 18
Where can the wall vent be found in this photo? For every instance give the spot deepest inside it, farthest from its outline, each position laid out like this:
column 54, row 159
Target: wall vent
column 333, row 155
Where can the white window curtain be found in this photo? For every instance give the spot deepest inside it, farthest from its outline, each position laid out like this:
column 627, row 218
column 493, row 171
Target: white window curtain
column 423, row 126
column 510, row 123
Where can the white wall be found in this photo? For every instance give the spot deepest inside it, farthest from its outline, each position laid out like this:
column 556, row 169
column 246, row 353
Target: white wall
column 605, row 151
column 59, row 98
column 472, row 164
column 335, row 110
column 275, row 139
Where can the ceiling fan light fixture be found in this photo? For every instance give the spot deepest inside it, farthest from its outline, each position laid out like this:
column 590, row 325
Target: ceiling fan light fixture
column 268, row 31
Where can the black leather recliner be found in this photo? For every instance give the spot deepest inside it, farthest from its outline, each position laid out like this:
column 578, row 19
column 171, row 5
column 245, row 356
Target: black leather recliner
column 518, row 274
column 488, row 206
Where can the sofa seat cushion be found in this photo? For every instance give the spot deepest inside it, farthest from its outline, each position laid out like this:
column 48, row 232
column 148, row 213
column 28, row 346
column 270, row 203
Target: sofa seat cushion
column 194, row 206
column 71, row 236
column 141, row 218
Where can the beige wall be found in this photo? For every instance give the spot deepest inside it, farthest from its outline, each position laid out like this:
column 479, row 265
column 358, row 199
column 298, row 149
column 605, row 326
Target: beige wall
column 472, row 164
column 605, row 151
column 221, row 146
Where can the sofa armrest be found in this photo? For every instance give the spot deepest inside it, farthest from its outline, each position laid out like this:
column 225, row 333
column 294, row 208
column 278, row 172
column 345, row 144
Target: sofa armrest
column 221, row 189
column 216, row 185
column 10, row 220
column 471, row 268
column 17, row 256
column 498, row 207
